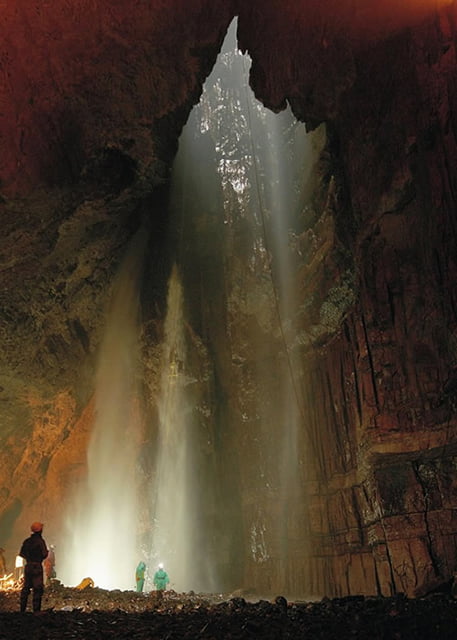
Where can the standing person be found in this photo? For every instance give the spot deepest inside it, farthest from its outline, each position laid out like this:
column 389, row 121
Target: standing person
column 50, row 564
column 34, row 551
column 2, row 563
column 161, row 578
column 139, row 576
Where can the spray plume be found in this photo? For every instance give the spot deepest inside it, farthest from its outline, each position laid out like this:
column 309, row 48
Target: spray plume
column 101, row 540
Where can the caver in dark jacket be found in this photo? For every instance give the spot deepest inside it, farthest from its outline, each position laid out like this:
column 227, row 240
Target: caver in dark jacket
column 34, row 551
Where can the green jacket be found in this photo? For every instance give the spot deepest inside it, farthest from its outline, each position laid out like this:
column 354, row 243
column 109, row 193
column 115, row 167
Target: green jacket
column 139, row 573
column 161, row 579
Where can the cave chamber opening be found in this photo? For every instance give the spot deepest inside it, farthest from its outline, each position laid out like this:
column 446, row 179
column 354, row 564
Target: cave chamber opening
column 219, row 496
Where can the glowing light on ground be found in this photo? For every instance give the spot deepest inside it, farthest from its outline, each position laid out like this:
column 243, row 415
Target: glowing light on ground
column 101, row 542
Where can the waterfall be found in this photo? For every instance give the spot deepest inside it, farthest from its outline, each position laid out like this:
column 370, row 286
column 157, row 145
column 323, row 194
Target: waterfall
column 182, row 484
column 101, row 542
column 237, row 192
column 175, row 489
column 216, row 511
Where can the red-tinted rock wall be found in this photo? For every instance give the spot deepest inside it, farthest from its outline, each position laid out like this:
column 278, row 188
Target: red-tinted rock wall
column 380, row 397
column 93, row 97
column 82, row 77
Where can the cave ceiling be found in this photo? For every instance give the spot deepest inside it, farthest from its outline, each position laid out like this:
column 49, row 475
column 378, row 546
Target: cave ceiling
column 94, row 96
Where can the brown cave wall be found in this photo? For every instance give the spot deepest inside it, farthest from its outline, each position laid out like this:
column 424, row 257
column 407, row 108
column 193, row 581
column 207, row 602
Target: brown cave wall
column 42, row 470
column 404, row 322
column 93, row 97
column 382, row 511
column 379, row 394
column 82, row 82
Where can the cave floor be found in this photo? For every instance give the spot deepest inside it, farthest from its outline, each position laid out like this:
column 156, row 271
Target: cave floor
column 96, row 613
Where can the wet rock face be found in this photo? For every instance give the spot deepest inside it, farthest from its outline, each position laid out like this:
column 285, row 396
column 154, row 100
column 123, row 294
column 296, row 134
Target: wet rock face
column 92, row 107
column 397, row 379
column 94, row 99
column 382, row 427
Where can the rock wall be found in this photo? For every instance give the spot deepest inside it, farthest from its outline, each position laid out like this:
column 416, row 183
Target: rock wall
column 401, row 334
column 383, row 428
column 94, row 96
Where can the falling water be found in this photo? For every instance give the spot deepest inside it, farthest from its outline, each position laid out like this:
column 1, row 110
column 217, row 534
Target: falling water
column 175, row 488
column 237, row 188
column 239, row 167
column 277, row 154
column 101, row 541
column 281, row 150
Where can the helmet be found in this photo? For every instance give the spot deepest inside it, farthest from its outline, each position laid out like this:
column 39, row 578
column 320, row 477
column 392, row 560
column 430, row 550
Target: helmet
column 160, row 565
column 36, row 527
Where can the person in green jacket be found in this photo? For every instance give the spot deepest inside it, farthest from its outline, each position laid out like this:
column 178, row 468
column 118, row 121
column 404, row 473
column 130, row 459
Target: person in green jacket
column 139, row 576
column 161, row 578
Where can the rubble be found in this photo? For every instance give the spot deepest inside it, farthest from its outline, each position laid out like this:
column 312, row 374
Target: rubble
column 97, row 613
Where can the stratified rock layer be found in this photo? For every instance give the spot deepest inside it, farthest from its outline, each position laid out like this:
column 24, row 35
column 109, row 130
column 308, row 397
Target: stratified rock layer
column 380, row 396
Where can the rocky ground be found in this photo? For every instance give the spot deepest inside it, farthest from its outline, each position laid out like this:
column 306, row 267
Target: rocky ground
column 96, row 613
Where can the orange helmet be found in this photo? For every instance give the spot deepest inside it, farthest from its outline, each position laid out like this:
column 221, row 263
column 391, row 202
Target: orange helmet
column 36, row 527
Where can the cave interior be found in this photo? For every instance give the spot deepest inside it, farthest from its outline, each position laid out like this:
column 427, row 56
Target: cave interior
column 228, row 292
